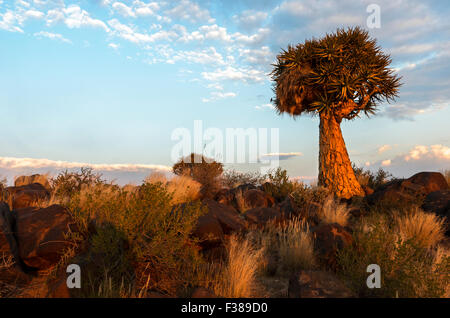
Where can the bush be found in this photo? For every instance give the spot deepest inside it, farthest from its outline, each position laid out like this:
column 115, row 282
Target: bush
column 232, row 178
column 67, row 184
column 407, row 270
column 279, row 186
column 370, row 179
column 158, row 235
column 203, row 170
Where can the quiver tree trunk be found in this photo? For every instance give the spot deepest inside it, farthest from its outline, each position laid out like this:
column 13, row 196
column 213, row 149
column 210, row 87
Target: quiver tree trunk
column 335, row 169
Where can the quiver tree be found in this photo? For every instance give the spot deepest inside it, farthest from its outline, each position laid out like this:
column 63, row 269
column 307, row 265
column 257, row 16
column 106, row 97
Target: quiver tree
column 336, row 77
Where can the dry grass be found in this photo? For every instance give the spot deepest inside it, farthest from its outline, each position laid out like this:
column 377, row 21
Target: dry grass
column 240, row 201
column 183, row 188
column 6, row 261
column 426, row 229
column 236, row 277
column 295, row 245
column 333, row 212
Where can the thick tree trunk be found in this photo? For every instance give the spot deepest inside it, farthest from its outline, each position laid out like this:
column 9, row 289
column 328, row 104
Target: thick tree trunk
column 335, row 169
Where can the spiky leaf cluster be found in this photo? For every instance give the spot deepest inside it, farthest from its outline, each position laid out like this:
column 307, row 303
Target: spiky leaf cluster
column 343, row 73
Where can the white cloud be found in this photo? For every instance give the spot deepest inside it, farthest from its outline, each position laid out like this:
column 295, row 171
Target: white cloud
column 123, row 9
column 207, row 56
column 123, row 173
column 218, row 95
column 52, row 36
column 253, row 39
column 280, row 155
column 435, row 151
column 250, row 19
column 187, row 10
column 384, row 148
column 265, row 106
column 130, row 34
column 8, row 21
column 235, row 74
column 386, row 163
column 113, row 46
column 34, row 14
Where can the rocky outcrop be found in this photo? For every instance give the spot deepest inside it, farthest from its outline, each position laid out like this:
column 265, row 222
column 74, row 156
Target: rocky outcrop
column 317, row 284
column 413, row 188
column 41, row 235
column 261, row 216
column 35, row 178
column 329, row 238
column 25, row 196
column 439, row 202
column 220, row 220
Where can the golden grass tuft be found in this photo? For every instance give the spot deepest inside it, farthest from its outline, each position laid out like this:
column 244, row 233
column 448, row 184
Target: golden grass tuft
column 183, row 188
column 235, row 277
column 296, row 245
column 426, row 229
column 333, row 212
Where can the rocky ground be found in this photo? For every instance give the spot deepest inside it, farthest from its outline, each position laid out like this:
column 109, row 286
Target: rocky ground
column 33, row 235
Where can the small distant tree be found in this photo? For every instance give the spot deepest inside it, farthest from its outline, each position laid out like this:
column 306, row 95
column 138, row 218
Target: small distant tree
column 204, row 170
column 336, row 77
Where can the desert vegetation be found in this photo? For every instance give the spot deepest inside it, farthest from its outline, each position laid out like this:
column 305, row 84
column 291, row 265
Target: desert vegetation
column 162, row 238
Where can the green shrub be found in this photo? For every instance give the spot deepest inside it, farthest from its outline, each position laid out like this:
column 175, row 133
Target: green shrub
column 67, row 184
column 279, row 185
column 407, row 270
column 370, row 179
column 232, row 178
column 157, row 235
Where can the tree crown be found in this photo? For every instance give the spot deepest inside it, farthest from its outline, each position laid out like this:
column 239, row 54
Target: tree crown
column 342, row 74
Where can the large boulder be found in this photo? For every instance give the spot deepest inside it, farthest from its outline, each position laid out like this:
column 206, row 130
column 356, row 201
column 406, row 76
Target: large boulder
column 413, row 188
column 26, row 196
column 8, row 245
column 260, row 216
column 439, row 202
column 254, row 198
column 41, row 235
column 35, row 178
column 328, row 239
column 317, row 284
column 220, row 220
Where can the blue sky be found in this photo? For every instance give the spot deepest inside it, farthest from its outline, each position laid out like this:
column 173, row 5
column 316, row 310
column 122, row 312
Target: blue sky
column 106, row 82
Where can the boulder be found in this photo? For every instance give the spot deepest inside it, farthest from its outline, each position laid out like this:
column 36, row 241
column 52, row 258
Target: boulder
column 229, row 219
column 254, row 198
column 329, row 238
column 261, row 216
column 208, row 231
column 317, row 284
column 25, row 196
column 438, row 202
column 417, row 186
column 430, row 181
column 8, row 244
column 220, row 220
column 35, row 178
column 225, row 196
column 41, row 235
